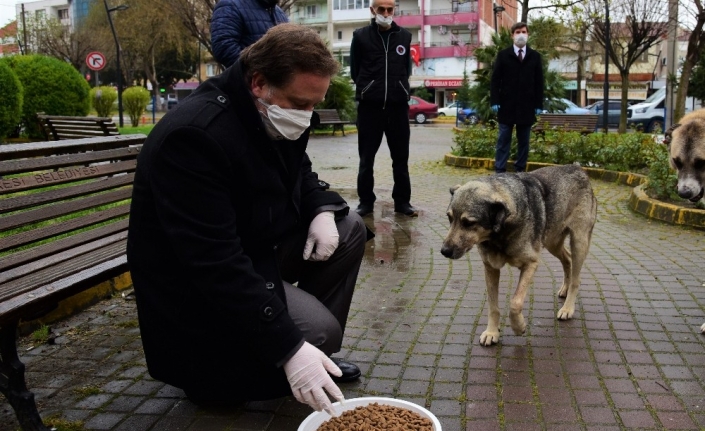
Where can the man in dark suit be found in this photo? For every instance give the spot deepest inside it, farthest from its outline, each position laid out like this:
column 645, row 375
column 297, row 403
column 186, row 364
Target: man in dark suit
column 516, row 96
column 227, row 215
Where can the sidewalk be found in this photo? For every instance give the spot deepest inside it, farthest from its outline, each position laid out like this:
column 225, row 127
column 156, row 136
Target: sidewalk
column 632, row 357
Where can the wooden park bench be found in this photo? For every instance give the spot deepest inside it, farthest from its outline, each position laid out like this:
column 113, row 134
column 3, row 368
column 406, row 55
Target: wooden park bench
column 583, row 123
column 58, row 127
column 331, row 116
column 64, row 208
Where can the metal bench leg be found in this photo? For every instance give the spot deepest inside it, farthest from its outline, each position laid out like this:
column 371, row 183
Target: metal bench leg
column 12, row 383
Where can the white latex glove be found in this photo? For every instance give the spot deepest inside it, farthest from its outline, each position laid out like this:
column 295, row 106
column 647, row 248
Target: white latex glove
column 322, row 236
column 307, row 372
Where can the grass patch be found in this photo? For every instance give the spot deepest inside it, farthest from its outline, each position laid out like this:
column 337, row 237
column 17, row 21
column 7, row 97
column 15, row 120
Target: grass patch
column 59, row 424
column 129, row 130
column 87, row 391
column 128, row 324
column 41, row 335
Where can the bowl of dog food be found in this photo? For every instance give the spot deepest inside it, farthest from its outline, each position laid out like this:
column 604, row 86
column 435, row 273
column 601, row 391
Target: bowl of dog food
column 378, row 412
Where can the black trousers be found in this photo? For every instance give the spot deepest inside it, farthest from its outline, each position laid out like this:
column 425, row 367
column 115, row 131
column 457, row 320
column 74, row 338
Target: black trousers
column 320, row 302
column 373, row 121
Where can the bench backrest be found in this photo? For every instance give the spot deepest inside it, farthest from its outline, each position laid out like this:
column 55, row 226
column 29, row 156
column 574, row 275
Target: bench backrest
column 578, row 122
column 327, row 115
column 62, row 203
column 58, row 127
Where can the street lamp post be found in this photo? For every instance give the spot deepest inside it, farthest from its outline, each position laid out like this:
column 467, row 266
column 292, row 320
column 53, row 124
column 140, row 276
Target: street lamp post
column 109, row 10
column 606, row 89
column 496, row 9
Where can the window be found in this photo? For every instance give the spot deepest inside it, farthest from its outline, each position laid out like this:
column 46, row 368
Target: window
column 40, row 14
column 350, row 4
column 311, row 11
column 63, row 13
column 211, row 69
column 340, row 35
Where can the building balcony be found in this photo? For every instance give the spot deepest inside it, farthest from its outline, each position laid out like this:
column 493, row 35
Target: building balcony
column 310, row 20
column 443, row 17
column 447, row 49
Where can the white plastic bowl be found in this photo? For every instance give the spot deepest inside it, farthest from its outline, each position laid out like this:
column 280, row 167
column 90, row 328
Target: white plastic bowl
column 315, row 419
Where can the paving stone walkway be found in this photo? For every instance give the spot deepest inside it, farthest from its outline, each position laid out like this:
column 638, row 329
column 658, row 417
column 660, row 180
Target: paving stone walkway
column 632, row 357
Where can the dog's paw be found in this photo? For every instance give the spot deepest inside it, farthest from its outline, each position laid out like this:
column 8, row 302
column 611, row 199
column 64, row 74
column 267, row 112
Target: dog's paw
column 489, row 338
column 702, row 328
column 563, row 292
column 565, row 313
column 518, row 324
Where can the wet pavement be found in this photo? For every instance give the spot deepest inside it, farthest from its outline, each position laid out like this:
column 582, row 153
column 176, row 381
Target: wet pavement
column 631, row 358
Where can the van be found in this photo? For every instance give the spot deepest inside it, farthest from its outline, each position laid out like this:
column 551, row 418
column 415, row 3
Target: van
column 649, row 115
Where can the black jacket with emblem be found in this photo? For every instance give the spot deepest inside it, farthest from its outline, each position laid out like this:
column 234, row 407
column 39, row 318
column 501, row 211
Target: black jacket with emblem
column 381, row 72
column 213, row 195
column 517, row 87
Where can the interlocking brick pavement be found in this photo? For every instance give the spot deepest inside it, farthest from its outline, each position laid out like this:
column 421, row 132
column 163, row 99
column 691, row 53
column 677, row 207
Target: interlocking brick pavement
column 632, row 358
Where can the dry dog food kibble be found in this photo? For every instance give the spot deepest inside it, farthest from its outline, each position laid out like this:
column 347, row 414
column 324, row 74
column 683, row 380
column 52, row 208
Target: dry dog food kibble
column 377, row 417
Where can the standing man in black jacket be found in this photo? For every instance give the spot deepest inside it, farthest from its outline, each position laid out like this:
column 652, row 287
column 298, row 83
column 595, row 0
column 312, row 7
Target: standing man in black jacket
column 516, row 96
column 380, row 65
column 227, row 214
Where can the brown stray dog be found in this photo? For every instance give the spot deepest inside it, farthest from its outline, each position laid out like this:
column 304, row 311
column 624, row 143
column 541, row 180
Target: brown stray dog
column 511, row 217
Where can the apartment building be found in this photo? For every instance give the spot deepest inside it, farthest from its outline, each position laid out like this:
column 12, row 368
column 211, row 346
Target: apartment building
column 8, row 40
column 444, row 34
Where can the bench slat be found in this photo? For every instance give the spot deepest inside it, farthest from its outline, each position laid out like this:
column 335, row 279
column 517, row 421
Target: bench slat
column 69, row 267
column 22, row 304
column 20, row 258
column 584, row 123
column 50, row 148
column 56, row 258
column 42, row 163
column 63, row 176
column 42, row 198
column 56, row 210
column 60, row 127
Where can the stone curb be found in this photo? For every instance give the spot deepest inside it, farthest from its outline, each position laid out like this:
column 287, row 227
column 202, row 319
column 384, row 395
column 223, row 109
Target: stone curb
column 639, row 202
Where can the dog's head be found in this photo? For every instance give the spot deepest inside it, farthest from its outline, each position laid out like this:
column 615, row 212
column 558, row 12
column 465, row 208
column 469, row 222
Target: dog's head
column 686, row 146
column 476, row 211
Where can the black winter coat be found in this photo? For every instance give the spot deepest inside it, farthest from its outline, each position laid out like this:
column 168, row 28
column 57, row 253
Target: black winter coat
column 517, row 87
column 213, row 195
column 381, row 73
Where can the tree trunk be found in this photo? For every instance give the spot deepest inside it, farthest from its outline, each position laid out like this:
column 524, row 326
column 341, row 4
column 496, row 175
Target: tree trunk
column 623, row 108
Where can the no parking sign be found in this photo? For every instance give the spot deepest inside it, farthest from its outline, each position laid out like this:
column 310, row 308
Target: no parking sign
column 95, row 60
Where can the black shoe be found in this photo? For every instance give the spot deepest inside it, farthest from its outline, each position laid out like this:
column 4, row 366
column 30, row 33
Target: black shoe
column 350, row 371
column 363, row 210
column 407, row 210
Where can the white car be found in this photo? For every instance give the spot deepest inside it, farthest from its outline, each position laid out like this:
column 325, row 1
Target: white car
column 449, row 111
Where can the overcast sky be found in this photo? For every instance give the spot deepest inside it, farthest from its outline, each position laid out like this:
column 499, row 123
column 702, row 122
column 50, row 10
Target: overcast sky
column 7, row 11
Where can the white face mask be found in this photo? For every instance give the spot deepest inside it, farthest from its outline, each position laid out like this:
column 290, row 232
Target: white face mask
column 281, row 124
column 520, row 40
column 384, row 22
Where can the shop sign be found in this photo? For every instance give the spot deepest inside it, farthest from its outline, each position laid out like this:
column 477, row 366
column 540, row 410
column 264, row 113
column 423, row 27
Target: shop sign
column 443, row 82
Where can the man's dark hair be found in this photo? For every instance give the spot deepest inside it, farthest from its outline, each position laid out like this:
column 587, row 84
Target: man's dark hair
column 519, row 25
column 285, row 50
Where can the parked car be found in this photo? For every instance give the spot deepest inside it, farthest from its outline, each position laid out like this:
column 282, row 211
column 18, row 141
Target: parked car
column 469, row 116
column 615, row 108
column 556, row 107
column 421, row 110
column 449, row 111
column 650, row 113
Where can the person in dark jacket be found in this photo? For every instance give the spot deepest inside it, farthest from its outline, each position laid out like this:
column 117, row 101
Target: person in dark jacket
column 380, row 65
column 226, row 216
column 516, row 96
column 237, row 24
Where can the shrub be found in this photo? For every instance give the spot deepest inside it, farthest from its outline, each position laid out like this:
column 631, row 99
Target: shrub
column 50, row 86
column 629, row 152
column 102, row 99
column 135, row 101
column 10, row 101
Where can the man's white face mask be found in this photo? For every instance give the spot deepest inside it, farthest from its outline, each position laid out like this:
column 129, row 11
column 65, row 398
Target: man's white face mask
column 384, row 22
column 520, row 40
column 281, row 124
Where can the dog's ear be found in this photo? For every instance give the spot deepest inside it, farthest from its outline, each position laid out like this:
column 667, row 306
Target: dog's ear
column 454, row 188
column 498, row 214
column 668, row 135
